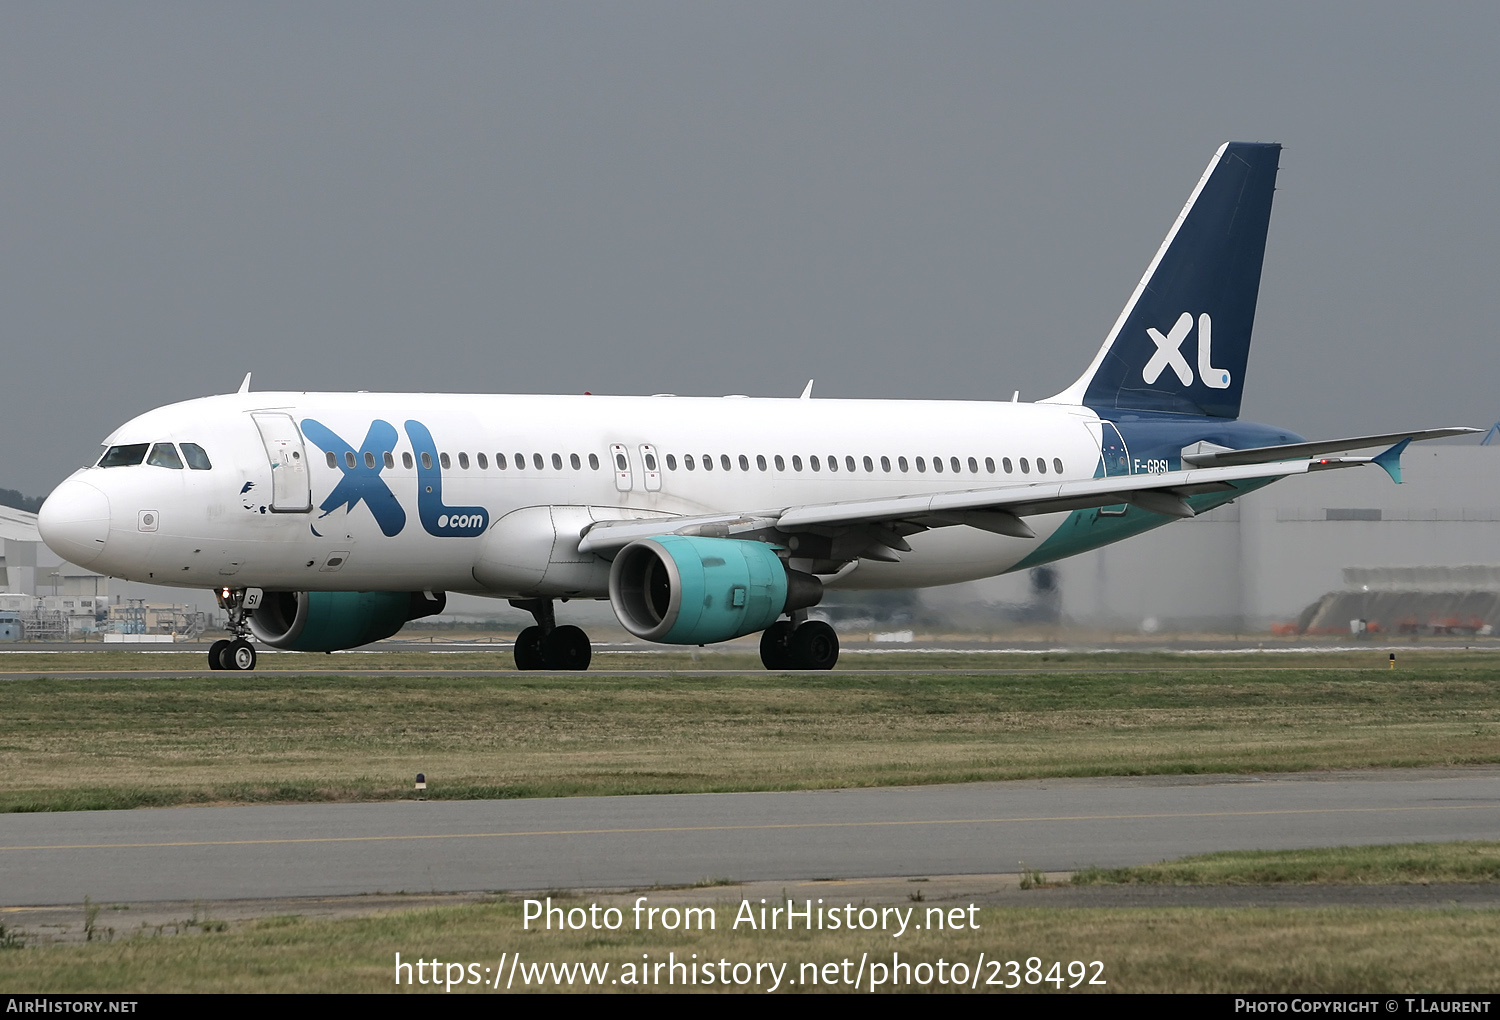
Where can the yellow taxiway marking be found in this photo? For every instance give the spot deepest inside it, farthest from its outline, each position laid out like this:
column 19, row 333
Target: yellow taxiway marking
column 763, row 827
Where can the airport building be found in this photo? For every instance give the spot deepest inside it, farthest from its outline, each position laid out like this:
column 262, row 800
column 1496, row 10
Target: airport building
column 46, row 598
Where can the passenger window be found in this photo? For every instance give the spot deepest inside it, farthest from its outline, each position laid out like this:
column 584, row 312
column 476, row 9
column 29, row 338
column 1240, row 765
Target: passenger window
column 620, row 463
column 953, row 462
column 885, row 464
column 973, row 465
column 594, row 461
column 463, row 461
column 445, row 460
column 165, row 455
column 195, row 457
column 796, row 463
column 484, row 462
column 1025, row 467
column 813, row 463
column 650, row 462
column 780, row 464
column 557, row 462
column 671, row 462
column 708, row 462
column 333, row 461
column 744, row 463
column 537, row 462
column 1005, row 463
column 369, row 459
column 1057, row 465
column 870, row 465
column 849, row 462
column 760, row 461
column 520, row 462
column 724, row 461
column 124, row 456
column 833, row 462
column 1041, row 465
column 989, row 464
column 937, row 465
column 426, row 461
column 500, row 461
column 406, row 460
column 688, row 462
column 901, row 463
column 390, row 461
column 921, row 466
column 573, row 460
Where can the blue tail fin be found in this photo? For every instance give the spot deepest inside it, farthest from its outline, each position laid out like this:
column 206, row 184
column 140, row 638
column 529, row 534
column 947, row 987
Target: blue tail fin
column 1183, row 340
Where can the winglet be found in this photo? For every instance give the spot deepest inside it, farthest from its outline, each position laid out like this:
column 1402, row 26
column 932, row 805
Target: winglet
column 245, row 386
column 1390, row 460
column 806, row 391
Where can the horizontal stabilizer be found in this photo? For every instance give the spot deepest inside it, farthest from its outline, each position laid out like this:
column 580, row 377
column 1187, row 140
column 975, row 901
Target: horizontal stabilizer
column 1207, row 455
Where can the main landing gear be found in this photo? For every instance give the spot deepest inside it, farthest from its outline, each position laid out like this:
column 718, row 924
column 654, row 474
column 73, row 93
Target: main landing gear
column 239, row 653
column 794, row 644
column 548, row 646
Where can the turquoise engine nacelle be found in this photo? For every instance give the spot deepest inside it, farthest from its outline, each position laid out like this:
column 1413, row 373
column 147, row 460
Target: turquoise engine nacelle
column 684, row 590
column 327, row 621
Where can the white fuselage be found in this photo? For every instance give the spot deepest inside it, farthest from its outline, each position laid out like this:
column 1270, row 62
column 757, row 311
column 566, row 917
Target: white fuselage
column 243, row 523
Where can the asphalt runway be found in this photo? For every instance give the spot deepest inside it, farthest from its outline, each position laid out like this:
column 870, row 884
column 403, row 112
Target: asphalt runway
column 261, row 852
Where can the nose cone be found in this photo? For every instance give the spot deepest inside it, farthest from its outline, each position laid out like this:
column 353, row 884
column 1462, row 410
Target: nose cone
column 74, row 522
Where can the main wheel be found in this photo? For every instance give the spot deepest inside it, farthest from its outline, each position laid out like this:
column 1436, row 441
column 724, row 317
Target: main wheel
column 567, row 648
column 529, row 649
column 775, row 645
column 239, row 655
column 216, row 654
column 814, row 645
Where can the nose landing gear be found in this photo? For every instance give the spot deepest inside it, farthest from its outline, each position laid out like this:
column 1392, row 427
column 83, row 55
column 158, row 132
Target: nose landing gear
column 238, row 654
column 548, row 646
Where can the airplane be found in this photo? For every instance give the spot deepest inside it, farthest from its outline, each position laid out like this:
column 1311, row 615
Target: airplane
column 325, row 521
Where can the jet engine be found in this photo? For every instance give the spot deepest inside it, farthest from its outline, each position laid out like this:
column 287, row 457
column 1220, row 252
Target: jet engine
column 327, row 621
column 686, row 590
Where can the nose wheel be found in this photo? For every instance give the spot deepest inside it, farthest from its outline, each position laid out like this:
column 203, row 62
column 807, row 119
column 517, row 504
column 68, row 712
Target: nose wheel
column 239, row 653
column 813, row 645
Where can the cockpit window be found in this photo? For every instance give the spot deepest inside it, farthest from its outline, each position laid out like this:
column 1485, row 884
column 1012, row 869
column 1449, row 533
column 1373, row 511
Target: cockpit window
column 124, row 456
column 165, row 455
column 195, row 457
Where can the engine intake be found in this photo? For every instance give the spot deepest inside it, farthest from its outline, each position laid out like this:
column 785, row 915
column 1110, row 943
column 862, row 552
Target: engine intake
column 686, row 590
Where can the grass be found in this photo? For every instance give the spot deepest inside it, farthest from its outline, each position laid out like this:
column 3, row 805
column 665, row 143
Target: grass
column 1142, row 950
column 147, row 740
column 1369, row 865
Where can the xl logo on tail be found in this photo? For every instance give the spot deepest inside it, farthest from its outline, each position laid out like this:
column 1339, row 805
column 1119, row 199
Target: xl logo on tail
column 1169, row 354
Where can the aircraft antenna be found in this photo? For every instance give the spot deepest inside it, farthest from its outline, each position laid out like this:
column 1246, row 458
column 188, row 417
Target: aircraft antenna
column 806, row 391
column 245, row 385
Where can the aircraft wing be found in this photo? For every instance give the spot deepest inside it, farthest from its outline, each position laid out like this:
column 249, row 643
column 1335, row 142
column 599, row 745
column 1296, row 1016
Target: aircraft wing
column 995, row 508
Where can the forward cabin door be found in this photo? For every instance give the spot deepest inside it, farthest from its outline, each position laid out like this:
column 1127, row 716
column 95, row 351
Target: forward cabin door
column 291, row 488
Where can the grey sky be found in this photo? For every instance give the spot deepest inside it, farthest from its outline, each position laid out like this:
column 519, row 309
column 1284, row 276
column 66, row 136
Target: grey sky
column 913, row 200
